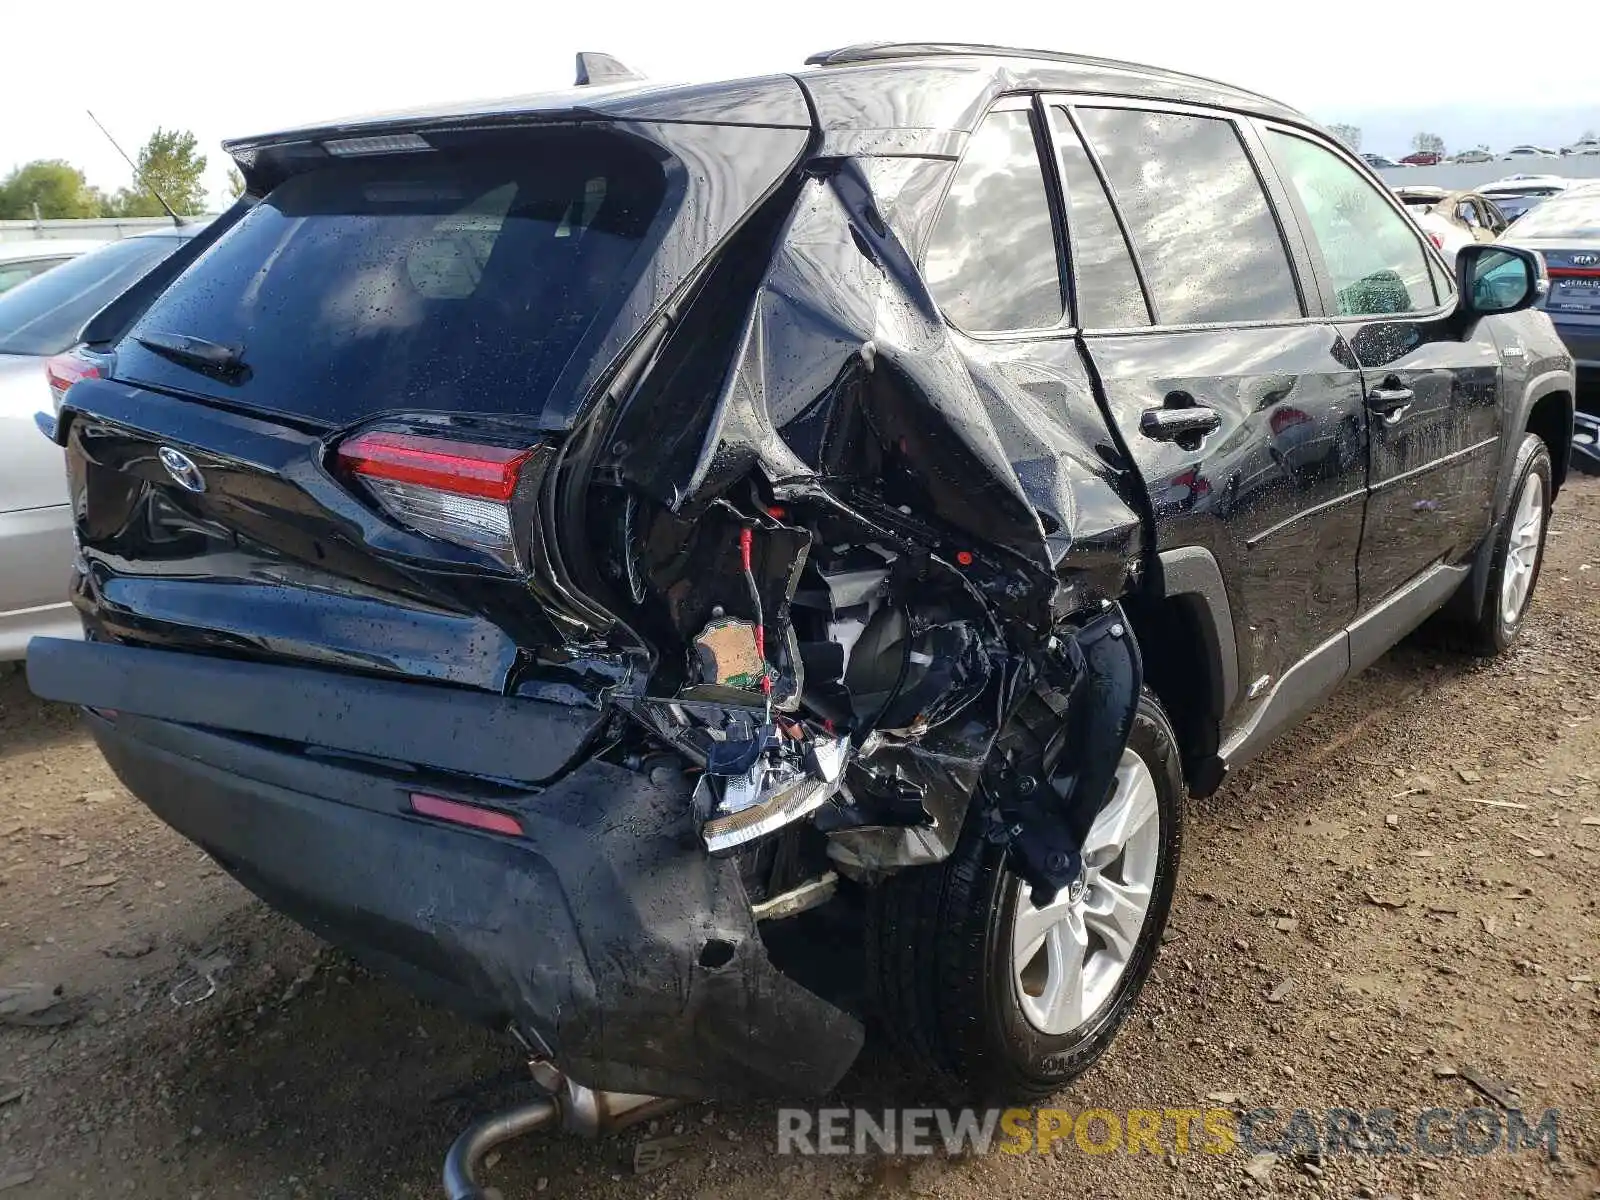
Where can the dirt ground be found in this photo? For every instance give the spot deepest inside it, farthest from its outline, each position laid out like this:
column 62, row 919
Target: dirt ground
column 1418, row 861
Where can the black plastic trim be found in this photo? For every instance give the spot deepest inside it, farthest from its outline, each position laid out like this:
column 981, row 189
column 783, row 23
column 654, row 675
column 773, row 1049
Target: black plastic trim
column 1193, row 571
column 444, row 728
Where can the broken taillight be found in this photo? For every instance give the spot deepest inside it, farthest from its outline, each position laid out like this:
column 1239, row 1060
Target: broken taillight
column 458, row 491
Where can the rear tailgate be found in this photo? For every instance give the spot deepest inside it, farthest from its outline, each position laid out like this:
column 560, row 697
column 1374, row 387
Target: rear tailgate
column 1574, row 279
column 476, row 287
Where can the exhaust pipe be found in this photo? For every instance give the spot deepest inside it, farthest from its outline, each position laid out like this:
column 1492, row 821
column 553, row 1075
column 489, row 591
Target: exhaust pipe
column 575, row 1108
column 467, row 1153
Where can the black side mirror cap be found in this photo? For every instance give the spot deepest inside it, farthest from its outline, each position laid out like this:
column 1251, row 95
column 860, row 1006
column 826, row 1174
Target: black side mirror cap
column 1493, row 278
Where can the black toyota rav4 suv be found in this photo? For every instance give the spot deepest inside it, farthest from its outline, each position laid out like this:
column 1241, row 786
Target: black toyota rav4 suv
column 547, row 547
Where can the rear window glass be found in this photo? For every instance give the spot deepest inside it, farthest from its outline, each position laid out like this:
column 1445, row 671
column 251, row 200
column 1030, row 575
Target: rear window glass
column 45, row 314
column 1566, row 216
column 460, row 280
column 992, row 261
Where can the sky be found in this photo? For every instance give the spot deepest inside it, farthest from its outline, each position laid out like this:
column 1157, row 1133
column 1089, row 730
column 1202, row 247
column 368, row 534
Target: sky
column 229, row 70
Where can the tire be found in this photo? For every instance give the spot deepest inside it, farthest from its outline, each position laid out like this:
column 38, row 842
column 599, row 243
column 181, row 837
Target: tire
column 940, row 942
column 1501, row 619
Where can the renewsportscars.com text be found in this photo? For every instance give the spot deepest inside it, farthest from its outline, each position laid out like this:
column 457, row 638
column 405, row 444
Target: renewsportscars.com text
column 1434, row 1132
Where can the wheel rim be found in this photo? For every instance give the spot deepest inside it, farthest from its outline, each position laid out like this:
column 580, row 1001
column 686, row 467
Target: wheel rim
column 1067, row 957
column 1522, row 550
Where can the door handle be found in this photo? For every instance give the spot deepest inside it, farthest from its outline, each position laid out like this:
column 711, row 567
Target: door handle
column 1390, row 399
column 1171, row 424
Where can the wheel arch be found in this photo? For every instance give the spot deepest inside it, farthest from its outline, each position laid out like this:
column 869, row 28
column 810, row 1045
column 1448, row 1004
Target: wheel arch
column 1545, row 411
column 1548, row 413
column 1184, row 622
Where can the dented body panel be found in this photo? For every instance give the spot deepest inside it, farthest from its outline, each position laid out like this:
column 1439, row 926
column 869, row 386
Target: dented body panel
column 815, row 579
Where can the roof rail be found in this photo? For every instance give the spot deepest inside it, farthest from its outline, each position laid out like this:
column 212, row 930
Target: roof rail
column 595, row 68
column 868, row 52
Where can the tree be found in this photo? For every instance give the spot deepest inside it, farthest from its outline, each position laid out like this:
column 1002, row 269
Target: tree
column 235, row 183
column 1350, row 135
column 1428, row 143
column 57, row 187
column 168, row 163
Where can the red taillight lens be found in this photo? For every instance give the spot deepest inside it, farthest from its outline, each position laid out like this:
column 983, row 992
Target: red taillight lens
column 1438, row 242
column 463, row 468
column 63, row 371
column 458, row 491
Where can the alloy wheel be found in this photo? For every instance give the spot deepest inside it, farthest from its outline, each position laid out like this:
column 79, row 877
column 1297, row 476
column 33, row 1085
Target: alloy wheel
column 1522, row 549
column 1068, row 956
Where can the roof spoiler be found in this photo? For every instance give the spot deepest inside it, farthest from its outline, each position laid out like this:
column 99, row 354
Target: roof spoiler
column 597, row 68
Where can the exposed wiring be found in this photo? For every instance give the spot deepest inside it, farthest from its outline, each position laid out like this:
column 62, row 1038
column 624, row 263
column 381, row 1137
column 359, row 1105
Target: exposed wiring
column 746, row 542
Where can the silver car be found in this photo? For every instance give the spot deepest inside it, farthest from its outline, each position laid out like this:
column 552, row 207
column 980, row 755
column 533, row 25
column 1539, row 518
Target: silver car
column 40, row 318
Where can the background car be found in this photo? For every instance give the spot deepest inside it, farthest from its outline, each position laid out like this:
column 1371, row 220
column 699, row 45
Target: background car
column 1475, row 214
column 1586, row 145
column 1377, row 161
column 21, row 261
column 40, row 318
column 1517, row 194
column 1422, row 158
column 1529, row 152
column 1453, row 219
column 1472, row 156
column 1566, row 230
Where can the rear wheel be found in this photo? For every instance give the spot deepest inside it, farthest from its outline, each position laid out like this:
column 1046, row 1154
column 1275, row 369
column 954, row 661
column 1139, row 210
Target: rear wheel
column 1002, row 1000
column 1518, row 553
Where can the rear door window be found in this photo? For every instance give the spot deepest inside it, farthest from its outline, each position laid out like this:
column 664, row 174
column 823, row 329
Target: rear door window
column 992, row 261
column 1374, row 256
column 1105, row 282
column 1207, row 240
column 460, row 279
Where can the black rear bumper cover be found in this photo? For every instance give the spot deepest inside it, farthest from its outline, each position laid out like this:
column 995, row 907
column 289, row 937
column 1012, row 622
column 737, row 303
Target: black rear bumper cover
column 591, row 931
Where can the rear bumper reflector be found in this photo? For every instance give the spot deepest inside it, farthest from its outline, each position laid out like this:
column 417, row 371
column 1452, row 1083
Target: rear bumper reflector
column 470, row 815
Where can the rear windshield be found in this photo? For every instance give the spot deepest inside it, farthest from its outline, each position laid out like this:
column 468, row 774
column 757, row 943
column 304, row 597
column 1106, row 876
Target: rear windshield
column 1565, row 216
column 45, row 314
column 455, row 279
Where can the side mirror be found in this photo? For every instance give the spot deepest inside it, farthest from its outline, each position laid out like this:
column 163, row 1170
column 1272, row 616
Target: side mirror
column 1492, row 278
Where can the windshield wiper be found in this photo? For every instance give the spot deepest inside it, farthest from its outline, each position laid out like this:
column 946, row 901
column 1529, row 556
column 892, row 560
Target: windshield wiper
column 195, row 352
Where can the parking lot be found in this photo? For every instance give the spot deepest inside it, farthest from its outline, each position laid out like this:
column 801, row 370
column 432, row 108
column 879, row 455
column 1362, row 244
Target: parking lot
column 1410, row 875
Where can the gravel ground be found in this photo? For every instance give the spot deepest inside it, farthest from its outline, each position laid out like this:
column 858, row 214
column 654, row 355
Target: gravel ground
column 1395, row 907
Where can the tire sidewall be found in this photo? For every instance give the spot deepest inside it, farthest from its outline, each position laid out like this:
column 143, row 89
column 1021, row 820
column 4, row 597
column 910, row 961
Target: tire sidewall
column 1040, row 1059
column 1533, row 459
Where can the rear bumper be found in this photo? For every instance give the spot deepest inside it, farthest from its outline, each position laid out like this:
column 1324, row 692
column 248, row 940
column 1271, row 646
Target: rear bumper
column 590, row 932
column 1582, row 339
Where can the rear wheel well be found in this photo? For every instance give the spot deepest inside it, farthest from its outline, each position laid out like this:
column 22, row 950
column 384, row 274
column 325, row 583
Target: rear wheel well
column 1177, row 646
column 1551, row 420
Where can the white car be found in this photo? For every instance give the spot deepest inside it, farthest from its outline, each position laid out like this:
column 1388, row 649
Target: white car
column 1442, row 232
column 21, row 261
column 1588, row 145
column 1516, row 194
column 1529, row 152
column 40, row 318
